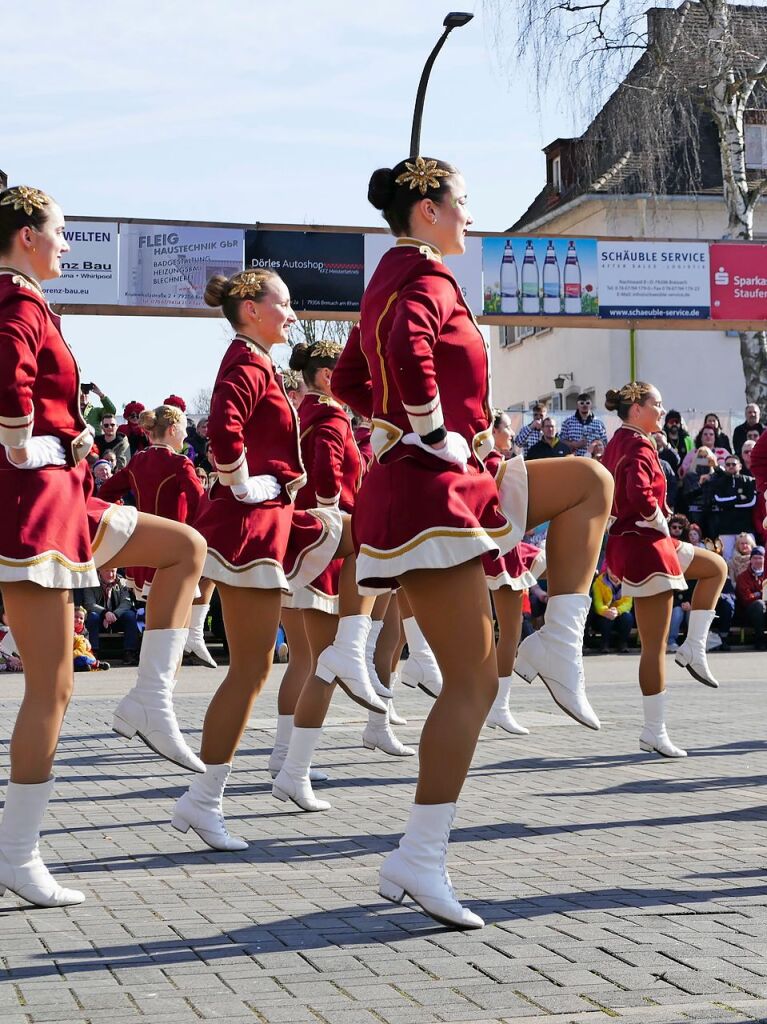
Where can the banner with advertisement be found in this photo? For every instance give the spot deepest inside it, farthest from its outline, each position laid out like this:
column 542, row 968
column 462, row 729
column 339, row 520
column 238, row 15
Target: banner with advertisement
column 657, row 280
column 324, row 270
column 168, row 266
column 466, row 268
column 539, row 276
column 738, row 281
column 89, row 269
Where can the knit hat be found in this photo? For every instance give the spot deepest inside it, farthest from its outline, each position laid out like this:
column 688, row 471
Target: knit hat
column 177, row 401
column 133, row 407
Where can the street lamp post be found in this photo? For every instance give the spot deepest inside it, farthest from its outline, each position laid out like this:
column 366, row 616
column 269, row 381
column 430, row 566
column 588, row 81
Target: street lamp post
column 456, row 19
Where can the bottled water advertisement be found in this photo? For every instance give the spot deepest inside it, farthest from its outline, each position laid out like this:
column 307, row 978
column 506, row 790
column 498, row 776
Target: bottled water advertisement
column 540, row 276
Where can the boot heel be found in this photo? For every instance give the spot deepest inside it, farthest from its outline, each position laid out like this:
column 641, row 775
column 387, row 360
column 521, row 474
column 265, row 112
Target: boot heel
column 525, row 670
column 648, row 748
column 327, row 675
column 391, row 891
column 179, row 823
column 280, row 794
column 121, row 727
column 368, row 745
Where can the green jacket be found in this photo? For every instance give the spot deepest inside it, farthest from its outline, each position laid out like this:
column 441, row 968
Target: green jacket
column 94, row 414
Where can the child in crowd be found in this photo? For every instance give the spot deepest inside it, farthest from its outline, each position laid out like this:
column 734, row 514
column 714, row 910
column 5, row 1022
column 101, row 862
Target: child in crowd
column 84, row 658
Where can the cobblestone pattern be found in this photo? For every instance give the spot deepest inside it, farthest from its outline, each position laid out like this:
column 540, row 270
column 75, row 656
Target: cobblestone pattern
column 614, row 884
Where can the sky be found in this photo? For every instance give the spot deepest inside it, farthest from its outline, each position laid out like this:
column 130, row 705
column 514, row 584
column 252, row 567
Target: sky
column 240, row 112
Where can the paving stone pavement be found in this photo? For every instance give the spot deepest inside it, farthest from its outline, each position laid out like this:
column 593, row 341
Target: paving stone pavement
column 614, row 884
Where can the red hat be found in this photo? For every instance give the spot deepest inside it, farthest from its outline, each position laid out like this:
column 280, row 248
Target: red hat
column 132, row 407
column 175, row 400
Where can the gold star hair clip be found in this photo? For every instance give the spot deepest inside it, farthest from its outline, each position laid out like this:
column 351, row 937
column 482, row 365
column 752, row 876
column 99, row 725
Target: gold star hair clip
column 247, row 285
column 291, row 379
column 26, row 198
column 421, row 174
column 326, row 350
column 632, row 392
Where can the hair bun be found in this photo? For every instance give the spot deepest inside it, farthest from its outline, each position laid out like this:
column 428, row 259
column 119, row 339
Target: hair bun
column 299, row 357
column 215, row 290
column 381, row 188
column 612, row 400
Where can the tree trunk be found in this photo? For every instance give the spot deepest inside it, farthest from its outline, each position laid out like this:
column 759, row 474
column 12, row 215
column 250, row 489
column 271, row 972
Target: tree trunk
column 728, row 99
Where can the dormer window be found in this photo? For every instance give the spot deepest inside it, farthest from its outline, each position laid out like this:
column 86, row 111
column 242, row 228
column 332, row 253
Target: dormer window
column 756, row 146
column 556, row 174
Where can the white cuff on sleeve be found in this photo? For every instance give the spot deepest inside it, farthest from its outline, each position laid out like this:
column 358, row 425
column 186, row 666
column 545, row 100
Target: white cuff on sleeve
column 16, row 431
column 234, row 472
column 425, row 418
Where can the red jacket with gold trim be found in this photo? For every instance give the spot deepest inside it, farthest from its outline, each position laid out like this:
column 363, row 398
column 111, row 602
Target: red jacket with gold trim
column 640, row 484
column 330, row 454
column 163, row 481
column 39, row 376
column 417, row 360
column 252, row 427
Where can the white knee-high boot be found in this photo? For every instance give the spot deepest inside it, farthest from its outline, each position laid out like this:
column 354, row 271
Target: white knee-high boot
column 344, row 663
column 195, row 643
column 147, row 709
column 692, row 654
column 22, row 870
column 654, row 736
column 417, row 867
column 292, row 782
column 421, row 668
column 201, row 809
column 376, row 626
column 555, row 653
column 378, row 734
column 280, row 750
column 499, row 716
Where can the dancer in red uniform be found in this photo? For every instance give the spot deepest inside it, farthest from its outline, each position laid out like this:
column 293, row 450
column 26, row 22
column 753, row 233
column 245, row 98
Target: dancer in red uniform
column 508, row 576
column 52, row 535
column 417, row 366
column 259, row 544
column 164, row 483
column 651, row 565
column 334, row 471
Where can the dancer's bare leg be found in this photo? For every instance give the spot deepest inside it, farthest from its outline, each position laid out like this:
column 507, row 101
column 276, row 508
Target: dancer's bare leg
column 300, row 662
column 206, row 588
column 710, row 571
column 653, row 617
column 251, row 618
column 316, row 696
column 48, row 675
column 508, row 611
column 452, row 607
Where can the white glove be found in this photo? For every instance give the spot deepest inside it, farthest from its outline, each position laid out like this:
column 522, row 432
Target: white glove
column 256, row 489
column 658, row 522
column 455, row 450
column 41, row 451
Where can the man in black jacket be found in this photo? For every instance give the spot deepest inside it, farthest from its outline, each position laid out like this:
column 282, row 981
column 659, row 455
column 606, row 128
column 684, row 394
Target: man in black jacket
column 549, row 447
column 732, row 496
column 111, row 608
column 753, row 422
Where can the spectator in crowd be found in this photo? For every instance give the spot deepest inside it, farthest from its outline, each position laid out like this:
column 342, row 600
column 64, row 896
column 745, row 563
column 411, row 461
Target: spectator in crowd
column 596, row 450
column 669, row 463
column 745, row 456
column 198, row 438
column 109, row 440
column 202, row 475
column 695, row 535
column 749, row 588
column 94, row 414
column 721, row 440
column 110, row 457
column 611, row 611
column 676, row 431
column 580, row 429
column 102, row 471
column 741, row 556
column 111, row 608
column 693, row 499
column 678, row 525
column 731, row 498
column 137, row 439
column 753, row 421
column 550, row 446
column 531, row 433
column 706, row 439
column 82, row 652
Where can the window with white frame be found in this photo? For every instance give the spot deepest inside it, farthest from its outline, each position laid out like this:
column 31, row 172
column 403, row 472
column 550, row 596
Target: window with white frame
column 556, row 174
column 756, row 146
